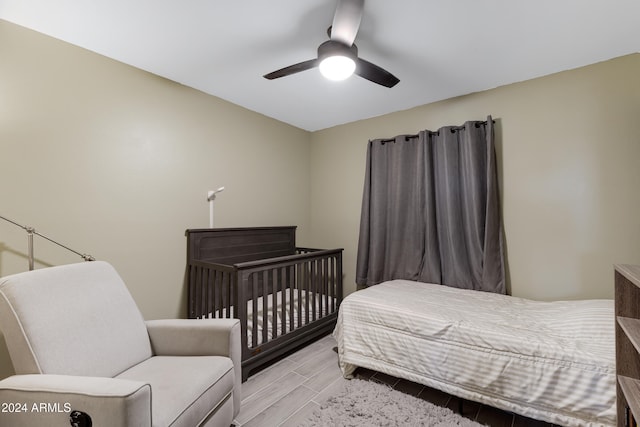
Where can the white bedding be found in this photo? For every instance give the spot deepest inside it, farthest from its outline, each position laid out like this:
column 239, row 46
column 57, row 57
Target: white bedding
column 289, row 294
column 552, row 361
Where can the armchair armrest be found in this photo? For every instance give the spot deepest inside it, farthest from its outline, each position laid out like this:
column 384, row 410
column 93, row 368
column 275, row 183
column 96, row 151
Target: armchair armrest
column 194, row 337
column 29, row 400
column 199, row 337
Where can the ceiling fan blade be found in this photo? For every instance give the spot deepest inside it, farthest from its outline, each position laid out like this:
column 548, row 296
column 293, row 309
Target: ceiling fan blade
column 346, row 21
column 372, row 72
column 292, row 69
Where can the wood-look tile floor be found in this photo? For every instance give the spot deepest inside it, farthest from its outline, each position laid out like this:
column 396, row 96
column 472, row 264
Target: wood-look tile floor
column 286, row 393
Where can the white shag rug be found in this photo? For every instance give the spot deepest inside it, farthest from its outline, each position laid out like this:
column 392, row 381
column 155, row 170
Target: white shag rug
column 367, row 403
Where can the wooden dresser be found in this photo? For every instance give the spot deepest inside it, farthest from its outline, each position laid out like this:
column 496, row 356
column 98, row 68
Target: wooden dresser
column 627, row 308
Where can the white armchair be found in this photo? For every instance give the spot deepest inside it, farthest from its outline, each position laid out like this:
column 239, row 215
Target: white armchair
column 83, row 356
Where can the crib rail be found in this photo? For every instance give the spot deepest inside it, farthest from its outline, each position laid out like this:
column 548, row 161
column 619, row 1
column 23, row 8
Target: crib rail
column 214, row 288
column 291, row 294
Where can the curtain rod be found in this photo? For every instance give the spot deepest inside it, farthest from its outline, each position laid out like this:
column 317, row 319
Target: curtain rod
column 453, row 130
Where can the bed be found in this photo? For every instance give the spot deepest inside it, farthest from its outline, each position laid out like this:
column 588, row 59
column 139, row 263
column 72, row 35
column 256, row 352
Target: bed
column 285, row 296
column 552, row 361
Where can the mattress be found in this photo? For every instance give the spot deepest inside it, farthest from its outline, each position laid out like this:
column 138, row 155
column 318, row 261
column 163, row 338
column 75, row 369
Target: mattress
column 291, row 319
column 552, row 361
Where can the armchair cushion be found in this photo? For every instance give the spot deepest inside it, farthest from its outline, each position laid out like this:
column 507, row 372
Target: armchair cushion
column 185, row 390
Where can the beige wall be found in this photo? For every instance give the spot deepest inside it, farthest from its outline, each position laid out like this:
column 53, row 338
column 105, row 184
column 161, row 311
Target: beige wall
column 117, row 162
column 569, row 156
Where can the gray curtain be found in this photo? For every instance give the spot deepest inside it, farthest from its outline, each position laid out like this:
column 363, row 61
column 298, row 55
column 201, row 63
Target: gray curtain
column 430, row 210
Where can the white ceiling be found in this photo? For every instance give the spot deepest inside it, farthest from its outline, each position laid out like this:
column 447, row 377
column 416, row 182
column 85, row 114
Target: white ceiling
column 438, row 49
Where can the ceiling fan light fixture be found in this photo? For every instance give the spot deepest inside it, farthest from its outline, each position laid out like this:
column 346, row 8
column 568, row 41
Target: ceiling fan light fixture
column 337, row 67
column 337, row 60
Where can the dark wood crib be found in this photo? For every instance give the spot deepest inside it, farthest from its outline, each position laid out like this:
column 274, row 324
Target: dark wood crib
column 284, row 296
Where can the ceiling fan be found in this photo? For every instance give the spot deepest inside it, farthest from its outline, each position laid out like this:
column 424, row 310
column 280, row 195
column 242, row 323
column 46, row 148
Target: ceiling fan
column 338, row 56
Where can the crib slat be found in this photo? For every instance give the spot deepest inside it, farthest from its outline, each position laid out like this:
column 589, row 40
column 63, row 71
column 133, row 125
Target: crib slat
column 320, row 288
column 211, row 297
column 201, row 292
column 213, row 309
column 332, row 284
column 224, row 311
column 203, row 289
column 210, row 290
column 311, row 309
column 274, row 306
column 265, row 305
column 300, row 283
column 196, row 292
column 241, row 294
column 254, row 314
column 283, row 308
column 217, row 294
column 314, row 289
column 207, row 289
column 232, row 294
column 339, row 279
column 292, row 289
column 307, row 290
column 192, row 292
column 324, row 308
column 224, row 294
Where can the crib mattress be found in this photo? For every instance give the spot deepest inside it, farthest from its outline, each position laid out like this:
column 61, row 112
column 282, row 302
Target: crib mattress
column 553, row 361
column 292, row 319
